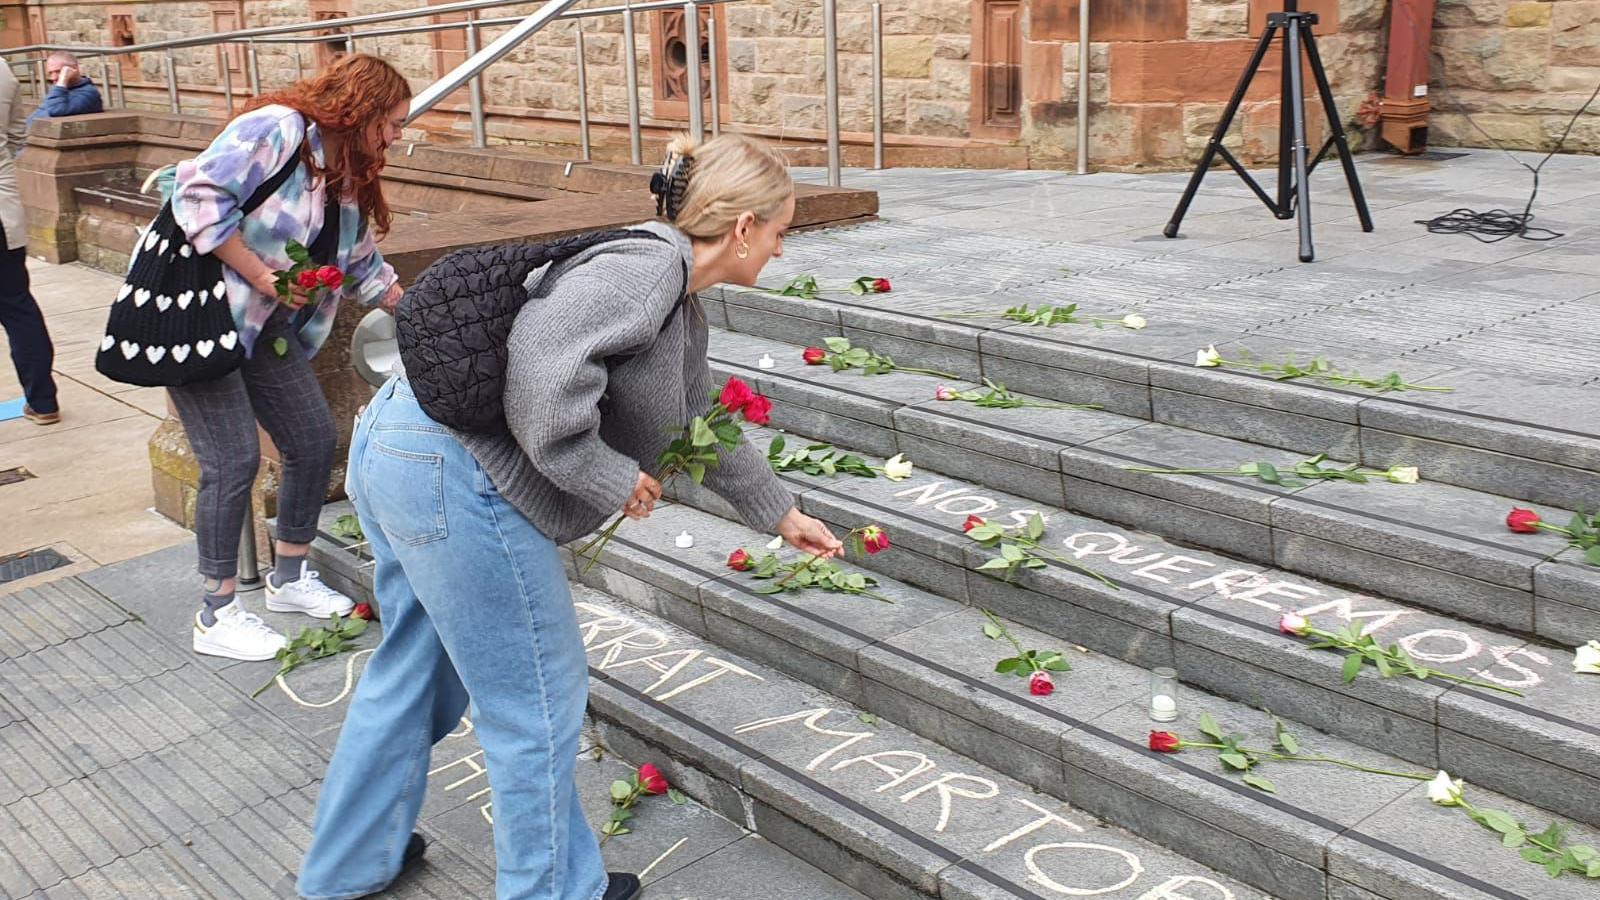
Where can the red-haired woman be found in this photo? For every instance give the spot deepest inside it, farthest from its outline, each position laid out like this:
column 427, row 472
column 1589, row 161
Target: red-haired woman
column 330, row 132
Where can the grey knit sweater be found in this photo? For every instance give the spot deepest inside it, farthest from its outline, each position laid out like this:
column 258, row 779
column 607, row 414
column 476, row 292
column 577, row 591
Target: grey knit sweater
column 594, row 394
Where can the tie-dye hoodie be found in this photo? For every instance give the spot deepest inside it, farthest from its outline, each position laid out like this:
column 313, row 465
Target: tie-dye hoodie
column 210, row 190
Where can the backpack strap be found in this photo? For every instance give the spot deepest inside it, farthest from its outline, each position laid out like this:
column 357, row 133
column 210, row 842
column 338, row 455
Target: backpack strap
column 271, row 185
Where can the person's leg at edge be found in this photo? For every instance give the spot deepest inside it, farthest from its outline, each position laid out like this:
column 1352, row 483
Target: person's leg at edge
column 32, row 353
column 408, row 699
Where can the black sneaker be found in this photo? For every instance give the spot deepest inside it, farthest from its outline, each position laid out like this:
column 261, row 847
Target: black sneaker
column 415, row 847
column 622, row 886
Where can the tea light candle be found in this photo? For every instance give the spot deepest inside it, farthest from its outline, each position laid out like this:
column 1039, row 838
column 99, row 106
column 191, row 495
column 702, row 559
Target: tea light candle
column 766, row 361
column 1163, row 695
column 685, row 540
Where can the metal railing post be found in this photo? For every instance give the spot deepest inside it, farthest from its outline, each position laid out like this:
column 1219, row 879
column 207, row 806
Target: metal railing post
column 691, row 52
column 583, row 96
column 227, row 77
column 38, row 79
column 299, row 64
column 122, row 89
column 255, row 68
column 480, row 128
column 1083, row 87
column 350, row 44
column 631, row 67
column 830, row 77
column 105, row 77
column 249, row 574
column 877, row 85
column 172, row 83
column 711, row 48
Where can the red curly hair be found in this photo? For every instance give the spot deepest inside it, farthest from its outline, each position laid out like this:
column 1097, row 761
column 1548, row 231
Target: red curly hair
column 345, row 99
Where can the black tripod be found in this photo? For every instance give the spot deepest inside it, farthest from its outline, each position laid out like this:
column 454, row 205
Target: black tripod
column 1294, row 192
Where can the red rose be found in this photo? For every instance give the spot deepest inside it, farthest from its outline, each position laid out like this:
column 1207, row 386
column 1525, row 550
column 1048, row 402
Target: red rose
column 814, row 356
column 330, row 276
column 307, row 278
column 651, row 779
column 739, row 561
column 1040, row 684
column 880, row 285
column 735, row 394
column 972, row 522
column 1523, row 521
column 874, row 539
column 362, row 611
column 758, row 410
column 1164, row 742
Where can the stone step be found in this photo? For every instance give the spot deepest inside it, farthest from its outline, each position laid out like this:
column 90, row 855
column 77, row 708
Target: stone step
column 881, row 807
column 924, row 663
column 1526, row 438
column 1436, row 544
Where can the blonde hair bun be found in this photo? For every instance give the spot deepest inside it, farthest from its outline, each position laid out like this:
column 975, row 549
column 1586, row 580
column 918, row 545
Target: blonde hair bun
column 704, row 188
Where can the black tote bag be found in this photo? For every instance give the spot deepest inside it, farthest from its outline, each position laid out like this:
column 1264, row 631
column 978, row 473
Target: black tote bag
column 171, row 323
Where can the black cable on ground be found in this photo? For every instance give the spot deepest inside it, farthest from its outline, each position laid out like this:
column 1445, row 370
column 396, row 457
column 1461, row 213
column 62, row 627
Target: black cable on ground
column 1499, row 224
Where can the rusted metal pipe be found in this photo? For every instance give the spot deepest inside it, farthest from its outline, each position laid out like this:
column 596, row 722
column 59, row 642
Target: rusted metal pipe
column 1403, row 111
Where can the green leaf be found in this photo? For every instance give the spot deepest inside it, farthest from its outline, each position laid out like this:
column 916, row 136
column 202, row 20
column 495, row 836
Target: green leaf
column 1012, row 665
column 1256, row 781
column 1288, row 743
column 281, row 347
column 776, row 447
column 1055, row 662
column 1382, row 662
column 1235, row 760
column 1352, row 665
column 700, row 434
column 297, row 252
column 1035, row 527
column 620, row 790
column 993, row 564
column 1012, row 552
column 1209, row 727
column 676, row 796
column 837, row 344
column 1500, row 821
column 1533, row 855
column 697, row 471
column 1268, row 472
column 993, row 631
column 1592, row 556
column 1513, row 839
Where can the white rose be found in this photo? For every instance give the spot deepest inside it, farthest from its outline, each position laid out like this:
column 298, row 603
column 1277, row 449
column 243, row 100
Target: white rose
column 897, row 468
column 1134, row 321
column 1403, row 474
column 1208, row 358
column 1443, row 791
column 1586, row 659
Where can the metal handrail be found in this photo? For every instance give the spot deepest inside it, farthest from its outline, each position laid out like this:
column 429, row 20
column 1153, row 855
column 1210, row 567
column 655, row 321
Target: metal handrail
column 469, row 71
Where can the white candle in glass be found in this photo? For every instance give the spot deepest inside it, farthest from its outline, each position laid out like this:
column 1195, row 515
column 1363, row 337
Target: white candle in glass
column 1163, row 695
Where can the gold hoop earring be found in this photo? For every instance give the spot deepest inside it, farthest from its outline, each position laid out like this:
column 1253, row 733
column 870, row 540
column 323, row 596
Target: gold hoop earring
column 742, row 251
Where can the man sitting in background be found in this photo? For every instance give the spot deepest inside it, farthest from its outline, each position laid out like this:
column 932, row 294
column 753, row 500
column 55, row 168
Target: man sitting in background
column 71, row 92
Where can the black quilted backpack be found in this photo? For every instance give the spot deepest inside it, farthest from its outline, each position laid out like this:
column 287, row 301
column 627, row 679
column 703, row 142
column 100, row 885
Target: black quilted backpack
column 454, row 322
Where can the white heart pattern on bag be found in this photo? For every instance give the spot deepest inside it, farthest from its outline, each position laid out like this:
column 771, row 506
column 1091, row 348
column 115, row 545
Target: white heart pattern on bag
column 129, row 350
column 203, row 294
column 164, row 243
column 141, row 297
column 149, row 239
column 154, row 354
column 228, row 340
column 180, row 353
column 162, row 302
column 123, row 294
column 204, row 348
column 185, row 298
column 107, row 343
column 184, row 252
column 219, row 290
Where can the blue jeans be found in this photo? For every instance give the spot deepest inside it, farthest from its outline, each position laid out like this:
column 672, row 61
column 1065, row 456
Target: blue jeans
column 474, row 603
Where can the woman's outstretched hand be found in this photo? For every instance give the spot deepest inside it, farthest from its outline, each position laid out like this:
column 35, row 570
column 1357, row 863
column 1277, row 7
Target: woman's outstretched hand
column 810, row 535
column 646, row 491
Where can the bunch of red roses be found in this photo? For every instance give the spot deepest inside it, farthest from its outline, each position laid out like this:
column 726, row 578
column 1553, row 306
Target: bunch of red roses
column 697, row 448
column 307, row 275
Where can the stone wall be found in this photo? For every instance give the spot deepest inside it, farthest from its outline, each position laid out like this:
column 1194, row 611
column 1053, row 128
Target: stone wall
column 1520, row 68
column 967, row 82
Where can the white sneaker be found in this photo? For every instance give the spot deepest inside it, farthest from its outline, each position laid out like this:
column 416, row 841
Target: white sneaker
column 237, row 635
column 308, row 595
